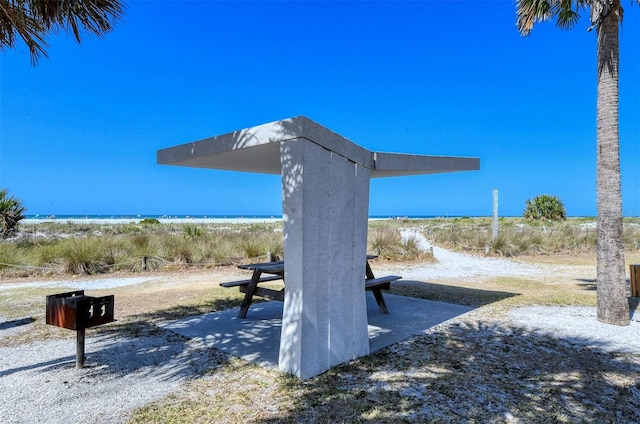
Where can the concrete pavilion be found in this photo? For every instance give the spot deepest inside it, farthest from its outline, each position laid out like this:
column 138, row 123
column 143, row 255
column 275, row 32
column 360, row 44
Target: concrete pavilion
column 325, row 209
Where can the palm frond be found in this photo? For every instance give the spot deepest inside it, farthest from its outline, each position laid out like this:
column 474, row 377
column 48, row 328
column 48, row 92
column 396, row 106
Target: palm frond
column 93, row 16
column 531, row 11
column 17, row 23
column 567, row 17
column 566, row 12
column 11, row 213
column 32, row 20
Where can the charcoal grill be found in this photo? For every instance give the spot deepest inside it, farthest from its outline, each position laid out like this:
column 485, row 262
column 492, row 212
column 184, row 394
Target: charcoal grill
column 76, row 311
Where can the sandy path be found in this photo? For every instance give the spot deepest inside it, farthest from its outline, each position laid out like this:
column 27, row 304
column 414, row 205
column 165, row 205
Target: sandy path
column 461, row 265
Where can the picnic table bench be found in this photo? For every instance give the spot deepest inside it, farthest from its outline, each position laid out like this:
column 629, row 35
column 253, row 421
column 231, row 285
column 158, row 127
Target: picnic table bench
column 275, row 272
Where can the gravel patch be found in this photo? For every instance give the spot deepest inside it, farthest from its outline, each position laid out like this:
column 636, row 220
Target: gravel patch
column 579, row 325
column 39, row 382
column 94, row 284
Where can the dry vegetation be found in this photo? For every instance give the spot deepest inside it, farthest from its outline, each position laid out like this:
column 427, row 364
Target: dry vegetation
column 66, row 248
column 51, row 249
column 479, row 368
column 518, row 237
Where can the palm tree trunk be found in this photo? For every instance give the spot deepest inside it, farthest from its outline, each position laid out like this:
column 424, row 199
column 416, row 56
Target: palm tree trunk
column 613, row 305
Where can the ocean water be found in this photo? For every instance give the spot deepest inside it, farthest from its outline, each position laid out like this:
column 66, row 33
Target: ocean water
column 187, row 217
column 140, row 216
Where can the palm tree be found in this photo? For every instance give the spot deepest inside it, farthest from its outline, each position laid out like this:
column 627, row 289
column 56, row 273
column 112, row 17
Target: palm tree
column 11, row 212
column 32, row 20
column 613, row 305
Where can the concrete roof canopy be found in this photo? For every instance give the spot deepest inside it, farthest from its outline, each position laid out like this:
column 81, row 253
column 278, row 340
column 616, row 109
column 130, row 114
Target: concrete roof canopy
column 257, row 149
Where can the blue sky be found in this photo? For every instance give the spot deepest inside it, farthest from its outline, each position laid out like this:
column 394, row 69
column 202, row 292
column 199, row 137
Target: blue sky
column 80, row 131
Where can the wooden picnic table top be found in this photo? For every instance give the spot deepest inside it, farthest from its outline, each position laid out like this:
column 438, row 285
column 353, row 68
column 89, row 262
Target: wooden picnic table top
column 264, row 266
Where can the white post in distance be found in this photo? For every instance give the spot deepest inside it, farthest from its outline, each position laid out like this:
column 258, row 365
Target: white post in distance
column 495, row 214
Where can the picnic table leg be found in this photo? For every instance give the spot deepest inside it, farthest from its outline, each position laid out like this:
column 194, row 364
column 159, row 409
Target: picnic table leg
column 377, row 293
column 248, row 297
column 368, row 272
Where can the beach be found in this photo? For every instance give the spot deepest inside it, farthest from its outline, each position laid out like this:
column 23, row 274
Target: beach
column 173, row 220
column 136, row 220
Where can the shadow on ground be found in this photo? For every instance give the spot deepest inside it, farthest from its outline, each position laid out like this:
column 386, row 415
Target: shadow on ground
column 475, row 372
column 587, row 283
column 120, row 350
column 590, row 284
column 450, row 294
column 16, row 323
column 634, row 306
column 182, row 311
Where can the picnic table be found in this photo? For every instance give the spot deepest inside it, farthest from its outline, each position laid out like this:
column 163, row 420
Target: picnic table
column 275, row 271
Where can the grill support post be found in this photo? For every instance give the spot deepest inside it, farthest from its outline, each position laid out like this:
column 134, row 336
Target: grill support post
column 80, row 333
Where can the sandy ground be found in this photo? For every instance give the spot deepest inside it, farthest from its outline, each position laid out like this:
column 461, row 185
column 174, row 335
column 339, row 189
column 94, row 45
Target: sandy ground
column 39, row 384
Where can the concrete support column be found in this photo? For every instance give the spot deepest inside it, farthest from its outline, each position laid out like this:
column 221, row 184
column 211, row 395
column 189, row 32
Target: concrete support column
column 325, row 317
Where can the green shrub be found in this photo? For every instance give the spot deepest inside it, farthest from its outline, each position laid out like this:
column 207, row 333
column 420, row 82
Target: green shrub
column 83, row 255
column 545, row 208
column 11, row 213
column 141, row 242
column 191, row 231
column 10, row 255
column 203, row 252
column 410, row 248
column 144, row 246
column 384, row 239
column 256, row 241
column 388, row 243
column 275, row 245
column 117, row 254
column 221, row 252
column 131, row 228
column 145, row 252
column 149, row 221
column 178, row 250
column 253, row 247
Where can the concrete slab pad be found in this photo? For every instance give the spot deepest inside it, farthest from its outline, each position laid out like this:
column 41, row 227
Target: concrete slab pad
column 257, row 337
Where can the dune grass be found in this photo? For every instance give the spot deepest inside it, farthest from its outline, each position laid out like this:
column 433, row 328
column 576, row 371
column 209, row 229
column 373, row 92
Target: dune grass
column 517, row 237
column 64, row 248
column 50, row 249
column 388, row 243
